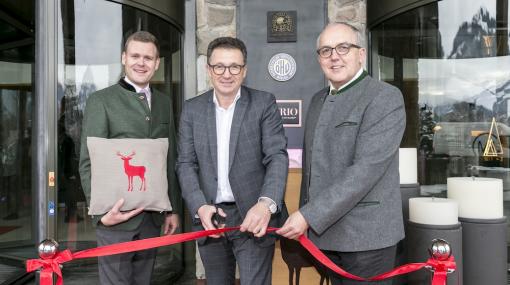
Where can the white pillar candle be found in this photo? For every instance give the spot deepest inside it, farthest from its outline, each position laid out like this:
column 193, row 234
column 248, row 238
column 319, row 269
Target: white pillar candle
column 408, row 166
column 478, row 197
column 433, row 211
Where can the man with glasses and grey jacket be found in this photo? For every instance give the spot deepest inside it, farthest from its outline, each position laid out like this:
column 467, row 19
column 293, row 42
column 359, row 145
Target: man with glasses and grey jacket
column 350, row 203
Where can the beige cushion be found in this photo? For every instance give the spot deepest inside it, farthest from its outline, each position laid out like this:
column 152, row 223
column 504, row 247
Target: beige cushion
column 115, row 161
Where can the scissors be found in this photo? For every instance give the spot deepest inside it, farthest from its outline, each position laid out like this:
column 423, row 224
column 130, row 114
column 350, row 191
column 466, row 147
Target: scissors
column 216, row 218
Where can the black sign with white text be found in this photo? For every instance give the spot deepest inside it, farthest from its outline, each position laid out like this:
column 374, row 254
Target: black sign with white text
column 290, row 111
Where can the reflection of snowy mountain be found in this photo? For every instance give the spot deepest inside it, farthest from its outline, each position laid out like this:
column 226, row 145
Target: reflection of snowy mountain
column 479, row 108
column 476, row 39
column 503, row 90
column 480, row 81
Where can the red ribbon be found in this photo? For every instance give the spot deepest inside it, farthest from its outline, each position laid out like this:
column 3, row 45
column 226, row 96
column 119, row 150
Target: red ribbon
column 440, row 268
column 50, row 266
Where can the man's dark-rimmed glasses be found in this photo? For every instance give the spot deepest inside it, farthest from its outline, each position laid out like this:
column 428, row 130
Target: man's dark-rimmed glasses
column 341, row 49
column 219, row 69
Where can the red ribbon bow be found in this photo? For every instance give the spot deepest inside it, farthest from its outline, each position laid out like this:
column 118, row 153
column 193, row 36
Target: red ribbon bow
column 50, row 266
column 441, row 269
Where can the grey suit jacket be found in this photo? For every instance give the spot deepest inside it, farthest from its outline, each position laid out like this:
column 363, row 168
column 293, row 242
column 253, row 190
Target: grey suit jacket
column 350, row 193
column 257, row 157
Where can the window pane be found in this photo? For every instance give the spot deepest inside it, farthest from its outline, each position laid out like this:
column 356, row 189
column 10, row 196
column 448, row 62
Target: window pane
column 451, row 61
column 16, row 105
column 90, row 45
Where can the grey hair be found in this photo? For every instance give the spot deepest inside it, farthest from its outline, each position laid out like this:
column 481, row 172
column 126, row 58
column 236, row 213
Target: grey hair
column 360, row 39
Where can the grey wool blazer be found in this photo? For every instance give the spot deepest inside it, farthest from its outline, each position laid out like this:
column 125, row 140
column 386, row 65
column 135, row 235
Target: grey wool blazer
column 350, row 192
column 258, row 157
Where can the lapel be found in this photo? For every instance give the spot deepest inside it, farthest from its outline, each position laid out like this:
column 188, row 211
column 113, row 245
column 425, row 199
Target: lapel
column 313, row 117
column 157, row 109
column 211, row 129
column 237, row 121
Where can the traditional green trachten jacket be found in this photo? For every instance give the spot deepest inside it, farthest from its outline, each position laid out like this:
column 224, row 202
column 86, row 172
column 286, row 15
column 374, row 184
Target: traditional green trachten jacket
column 119, row 112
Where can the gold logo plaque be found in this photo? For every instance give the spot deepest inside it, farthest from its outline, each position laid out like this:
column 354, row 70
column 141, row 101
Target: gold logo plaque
column 281, row 26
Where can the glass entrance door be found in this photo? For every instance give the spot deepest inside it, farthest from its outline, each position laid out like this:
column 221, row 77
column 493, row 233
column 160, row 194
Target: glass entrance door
column 17, row 47
column 451, row 60
column 90, row 41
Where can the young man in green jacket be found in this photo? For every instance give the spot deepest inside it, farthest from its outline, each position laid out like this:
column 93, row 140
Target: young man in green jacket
column 130, row 109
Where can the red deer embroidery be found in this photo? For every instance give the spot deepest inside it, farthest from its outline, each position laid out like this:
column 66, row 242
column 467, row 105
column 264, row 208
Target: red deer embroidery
column 133, row 170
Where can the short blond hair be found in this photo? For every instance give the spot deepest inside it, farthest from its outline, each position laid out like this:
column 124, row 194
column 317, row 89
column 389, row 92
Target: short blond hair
column 144, row 37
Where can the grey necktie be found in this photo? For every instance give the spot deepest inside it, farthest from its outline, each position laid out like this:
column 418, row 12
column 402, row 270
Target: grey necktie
column 147, row 93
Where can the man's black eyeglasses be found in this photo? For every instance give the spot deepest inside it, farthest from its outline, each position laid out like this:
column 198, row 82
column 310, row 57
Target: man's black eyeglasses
column 219, row 69
column 341, row 49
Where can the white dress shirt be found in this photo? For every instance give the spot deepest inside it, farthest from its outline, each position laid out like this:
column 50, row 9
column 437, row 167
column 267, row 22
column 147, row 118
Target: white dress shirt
column 223, row 125
column 146, row 90
column 224, row 119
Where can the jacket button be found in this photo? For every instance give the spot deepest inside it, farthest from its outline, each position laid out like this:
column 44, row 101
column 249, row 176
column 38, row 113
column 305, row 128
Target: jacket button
column 141, row 97
column 147, row 118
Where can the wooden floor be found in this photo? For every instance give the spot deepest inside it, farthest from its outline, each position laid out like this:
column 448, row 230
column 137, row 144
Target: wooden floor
column 309, row 275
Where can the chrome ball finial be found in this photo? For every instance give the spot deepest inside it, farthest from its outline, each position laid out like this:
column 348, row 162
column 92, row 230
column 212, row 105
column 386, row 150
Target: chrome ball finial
column 48, row 248
column 440, row 249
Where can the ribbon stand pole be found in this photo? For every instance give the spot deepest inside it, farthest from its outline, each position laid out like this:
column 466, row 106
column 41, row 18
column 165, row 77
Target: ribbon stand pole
column 440, row 251
column 47, row 250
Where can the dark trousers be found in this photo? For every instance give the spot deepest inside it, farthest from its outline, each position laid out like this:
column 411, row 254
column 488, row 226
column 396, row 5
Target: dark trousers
column 219, row 256
column 131, row 268
column 363, row 264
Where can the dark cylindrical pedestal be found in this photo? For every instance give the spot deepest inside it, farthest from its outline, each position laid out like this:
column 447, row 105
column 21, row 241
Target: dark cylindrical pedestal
column 419, row 239
column 407, row 191
column 485, row 253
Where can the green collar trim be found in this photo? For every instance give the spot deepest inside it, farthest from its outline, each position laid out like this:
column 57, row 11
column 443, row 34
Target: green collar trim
column 362, row 75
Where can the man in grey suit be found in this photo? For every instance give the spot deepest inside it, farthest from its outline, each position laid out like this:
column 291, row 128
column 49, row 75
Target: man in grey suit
column 350, row 202
column 232, row 162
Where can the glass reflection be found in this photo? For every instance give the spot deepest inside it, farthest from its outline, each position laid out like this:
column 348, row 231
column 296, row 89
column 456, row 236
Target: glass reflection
column 16, row 104
column 452, row 62
column 89, row 59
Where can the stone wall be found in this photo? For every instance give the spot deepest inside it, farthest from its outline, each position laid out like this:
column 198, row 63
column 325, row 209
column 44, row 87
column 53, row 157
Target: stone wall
column 215, row 18
column 353, row 11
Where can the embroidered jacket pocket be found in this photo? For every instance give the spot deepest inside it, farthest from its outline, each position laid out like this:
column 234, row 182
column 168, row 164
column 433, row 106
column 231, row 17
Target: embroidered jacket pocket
column 164, row 121
column 367, row 203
